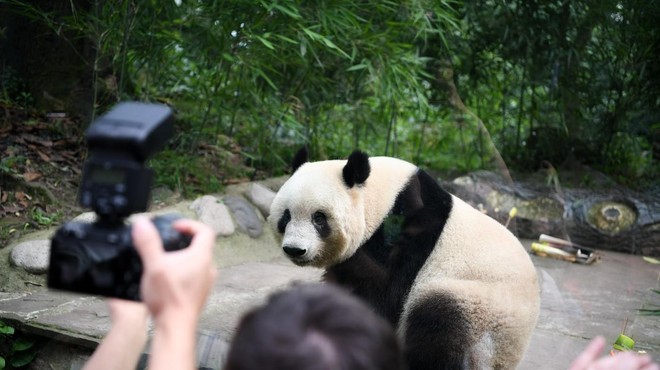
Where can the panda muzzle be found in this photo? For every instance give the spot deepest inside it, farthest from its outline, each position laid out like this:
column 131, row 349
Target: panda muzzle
column 294, row 251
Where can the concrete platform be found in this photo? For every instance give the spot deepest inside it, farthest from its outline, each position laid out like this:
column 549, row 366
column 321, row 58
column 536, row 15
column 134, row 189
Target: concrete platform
column 578, row 303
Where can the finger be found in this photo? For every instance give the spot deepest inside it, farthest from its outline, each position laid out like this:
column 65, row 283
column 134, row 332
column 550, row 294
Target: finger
column 622, row 361
column 589, row 354
column 192, row 227
column 626, row 360
column 203, row 235
column 651, row 366
column 644, row 360
column 146, row 240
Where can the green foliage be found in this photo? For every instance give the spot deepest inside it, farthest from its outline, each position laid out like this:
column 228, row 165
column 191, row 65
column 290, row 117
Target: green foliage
column 558, row 80
column 447, row 84
column 6, row 329
column 38, row 215
column 628, row 157
column 280, row 74
column 8, row 165
column 16, row 349
column 195, row 174
column 13, row 89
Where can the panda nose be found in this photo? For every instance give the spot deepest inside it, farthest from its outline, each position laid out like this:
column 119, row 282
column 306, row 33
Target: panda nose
column 294, row 251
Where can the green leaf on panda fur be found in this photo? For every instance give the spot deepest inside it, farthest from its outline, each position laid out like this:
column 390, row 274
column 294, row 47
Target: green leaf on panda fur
column 392, row 227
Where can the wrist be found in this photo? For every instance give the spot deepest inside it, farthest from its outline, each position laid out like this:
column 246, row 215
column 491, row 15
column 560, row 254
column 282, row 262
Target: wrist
column 177, row 319
column 132, row 328
column 174, row 341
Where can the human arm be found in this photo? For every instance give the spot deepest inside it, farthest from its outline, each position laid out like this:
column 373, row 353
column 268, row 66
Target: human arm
column 122, row 346
column 174, row 287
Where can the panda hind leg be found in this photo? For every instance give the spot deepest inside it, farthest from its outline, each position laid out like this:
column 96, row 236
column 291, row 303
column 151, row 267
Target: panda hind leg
column 438, row 335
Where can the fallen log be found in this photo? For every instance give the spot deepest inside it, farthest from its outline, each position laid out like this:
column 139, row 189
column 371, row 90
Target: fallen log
column 615, row 219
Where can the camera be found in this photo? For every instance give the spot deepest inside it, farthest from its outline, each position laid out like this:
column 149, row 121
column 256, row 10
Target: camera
column 99, row 258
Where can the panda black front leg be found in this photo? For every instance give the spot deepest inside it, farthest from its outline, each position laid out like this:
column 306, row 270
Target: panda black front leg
column 362, row 276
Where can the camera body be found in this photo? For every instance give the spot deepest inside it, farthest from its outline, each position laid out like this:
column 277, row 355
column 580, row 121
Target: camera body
column 99, row 258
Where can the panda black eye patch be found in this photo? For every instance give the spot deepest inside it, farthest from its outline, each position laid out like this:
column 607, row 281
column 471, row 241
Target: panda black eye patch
column 320, row 222
column 284, row 220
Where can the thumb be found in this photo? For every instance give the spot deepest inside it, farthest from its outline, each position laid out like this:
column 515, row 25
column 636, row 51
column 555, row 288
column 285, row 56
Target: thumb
column 146, row 240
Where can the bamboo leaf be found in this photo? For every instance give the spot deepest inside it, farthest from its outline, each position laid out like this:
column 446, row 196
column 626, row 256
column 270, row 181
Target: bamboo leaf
column 312, row 35
column 287, row 39
column 357, row 67
column 318, row 37
column 265, row 77
column 266, row 43
column 291, row 12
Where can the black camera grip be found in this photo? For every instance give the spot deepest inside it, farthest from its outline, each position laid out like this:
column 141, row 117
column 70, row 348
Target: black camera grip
column 173, row 240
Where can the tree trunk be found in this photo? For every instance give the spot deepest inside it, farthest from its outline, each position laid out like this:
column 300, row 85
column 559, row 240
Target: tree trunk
column 53, row 64
column 614, row 219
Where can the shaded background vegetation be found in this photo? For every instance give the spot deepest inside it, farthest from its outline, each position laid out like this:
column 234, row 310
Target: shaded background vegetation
column 450, row 85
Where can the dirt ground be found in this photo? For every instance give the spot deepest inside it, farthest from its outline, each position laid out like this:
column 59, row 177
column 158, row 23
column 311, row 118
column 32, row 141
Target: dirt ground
column 40, row 169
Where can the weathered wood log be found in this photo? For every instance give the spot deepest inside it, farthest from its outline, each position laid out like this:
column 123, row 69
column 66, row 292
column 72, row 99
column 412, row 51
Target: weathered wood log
column 614, row 219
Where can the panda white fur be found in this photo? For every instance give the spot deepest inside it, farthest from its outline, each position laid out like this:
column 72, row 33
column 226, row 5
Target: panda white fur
column 458, row 286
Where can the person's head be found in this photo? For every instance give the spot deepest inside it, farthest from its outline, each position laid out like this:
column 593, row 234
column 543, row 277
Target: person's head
column 314, row 327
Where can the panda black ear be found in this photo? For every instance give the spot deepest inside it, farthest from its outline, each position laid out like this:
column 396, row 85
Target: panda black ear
column 299, row 159
column 357, row 169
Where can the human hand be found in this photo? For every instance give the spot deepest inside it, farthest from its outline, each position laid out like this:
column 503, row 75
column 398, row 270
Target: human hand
column 175, row 283
column 589, row 359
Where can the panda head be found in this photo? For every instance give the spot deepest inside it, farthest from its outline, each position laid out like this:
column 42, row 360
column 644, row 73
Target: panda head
column 318, row 214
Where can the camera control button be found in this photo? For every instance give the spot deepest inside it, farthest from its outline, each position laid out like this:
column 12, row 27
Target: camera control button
column 112, row 238
column 119, row 202
column 102, row 206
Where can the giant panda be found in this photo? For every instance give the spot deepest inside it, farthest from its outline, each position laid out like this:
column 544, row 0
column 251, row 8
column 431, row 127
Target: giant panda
column 458, row 287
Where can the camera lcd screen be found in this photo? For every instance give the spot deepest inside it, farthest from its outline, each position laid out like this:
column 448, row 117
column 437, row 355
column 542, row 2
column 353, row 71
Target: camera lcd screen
column 107, row 177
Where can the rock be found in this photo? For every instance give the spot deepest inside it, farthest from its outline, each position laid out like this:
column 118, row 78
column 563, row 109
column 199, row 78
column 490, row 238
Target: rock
column 88, row 217
column 275, row 183
column 246, row 217
column 32, row 256
column 262, row 197
column 211, row 211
